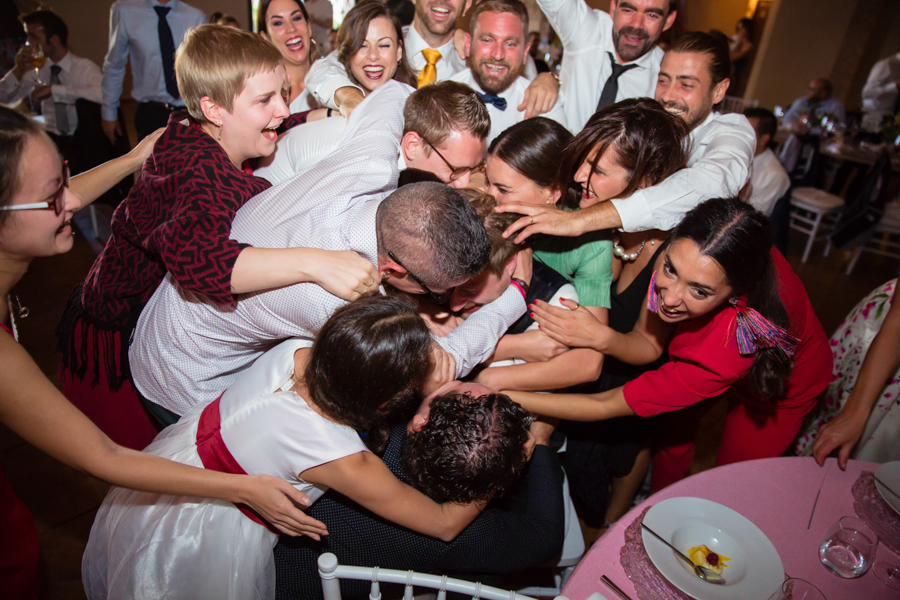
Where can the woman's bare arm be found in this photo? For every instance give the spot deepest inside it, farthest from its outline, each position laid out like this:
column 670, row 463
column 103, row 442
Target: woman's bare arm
column 365, row 479
column 33, row 408
column 575, row 407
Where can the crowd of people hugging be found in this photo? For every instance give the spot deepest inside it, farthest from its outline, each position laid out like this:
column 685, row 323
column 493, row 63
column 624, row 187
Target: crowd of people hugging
column 410, row 302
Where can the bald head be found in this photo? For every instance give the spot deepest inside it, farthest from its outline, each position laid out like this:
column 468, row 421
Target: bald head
column 819, row 90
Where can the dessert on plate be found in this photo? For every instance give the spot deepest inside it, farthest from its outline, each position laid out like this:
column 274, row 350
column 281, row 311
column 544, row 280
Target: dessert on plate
column 704, row 557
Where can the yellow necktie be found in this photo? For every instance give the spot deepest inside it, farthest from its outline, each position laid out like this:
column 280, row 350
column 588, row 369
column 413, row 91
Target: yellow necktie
column 429, row 73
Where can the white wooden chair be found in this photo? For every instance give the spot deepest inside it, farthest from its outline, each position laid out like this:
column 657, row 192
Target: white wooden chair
column 886, row 239
column 331, row 573
column 813, row 212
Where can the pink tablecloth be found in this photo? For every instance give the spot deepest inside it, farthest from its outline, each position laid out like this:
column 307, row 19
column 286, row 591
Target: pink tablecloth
column 777, row 494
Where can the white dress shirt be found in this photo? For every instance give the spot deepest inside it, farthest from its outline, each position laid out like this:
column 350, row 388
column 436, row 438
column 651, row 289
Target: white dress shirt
column 134, row 33
column 768, row 182
column 187, row 351
column 79, row 78
column 303, row 102
column 502, row 119
column 327, row 75
column 586, row 36
column 879, row 95
column 301, row 147
column 719, row 166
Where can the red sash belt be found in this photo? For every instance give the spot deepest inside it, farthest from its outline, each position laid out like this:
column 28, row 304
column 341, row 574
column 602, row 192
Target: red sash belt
column 215, row 456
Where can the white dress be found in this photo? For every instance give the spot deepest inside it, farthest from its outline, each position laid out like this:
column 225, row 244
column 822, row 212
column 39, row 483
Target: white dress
column 147, row 546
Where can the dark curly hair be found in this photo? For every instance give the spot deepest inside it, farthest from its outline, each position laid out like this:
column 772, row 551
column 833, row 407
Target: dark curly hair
column 470, row 449
column 739, row 239
column 649, row 143
column 367, row 364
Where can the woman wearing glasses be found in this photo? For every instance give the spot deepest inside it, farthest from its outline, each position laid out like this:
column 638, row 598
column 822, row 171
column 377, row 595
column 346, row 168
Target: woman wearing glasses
column 36, row 207
column 177, row 219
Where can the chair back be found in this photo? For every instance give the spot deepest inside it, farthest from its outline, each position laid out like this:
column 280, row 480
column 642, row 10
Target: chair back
column 331, row 572
column 865, row 203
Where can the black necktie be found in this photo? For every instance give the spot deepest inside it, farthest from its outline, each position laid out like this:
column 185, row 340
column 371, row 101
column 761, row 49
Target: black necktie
column 608, row 95
column 62, row 117
column 497, row 101
column 167, row 49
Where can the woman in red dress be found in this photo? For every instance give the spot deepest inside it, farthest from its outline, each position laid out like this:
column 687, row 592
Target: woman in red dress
column 177, row 219
column 36, row 207
column 736, row 321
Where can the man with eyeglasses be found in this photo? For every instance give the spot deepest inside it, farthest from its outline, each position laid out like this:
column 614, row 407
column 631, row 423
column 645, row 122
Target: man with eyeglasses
column 424, row 238
column 445, row 132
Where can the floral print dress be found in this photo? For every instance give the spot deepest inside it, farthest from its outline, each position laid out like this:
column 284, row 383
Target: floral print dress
column 849, row 344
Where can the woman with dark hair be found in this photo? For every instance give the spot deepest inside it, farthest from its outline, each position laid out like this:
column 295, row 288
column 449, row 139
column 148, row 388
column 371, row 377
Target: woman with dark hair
column 298, row 413
column 37, row 201
column 286, row 24
column 740, row 46
column 735, row 318
column 627, row 146
column 526, row 164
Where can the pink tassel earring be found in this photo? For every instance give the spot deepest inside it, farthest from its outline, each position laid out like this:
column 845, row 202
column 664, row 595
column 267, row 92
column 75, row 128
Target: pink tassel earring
column 652, row 300
column 754, row 332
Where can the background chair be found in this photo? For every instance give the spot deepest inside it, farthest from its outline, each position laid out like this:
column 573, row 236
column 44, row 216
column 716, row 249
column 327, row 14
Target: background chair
column 813, row 212
column 885, row 239
column 331, row 574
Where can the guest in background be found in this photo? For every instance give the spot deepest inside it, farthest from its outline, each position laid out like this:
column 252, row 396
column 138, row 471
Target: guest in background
column 429, row 53
column 607, row 57
column 740, row 47
column 773, row 363
column 817, row 103
column 860, row 415
column 496, row 53
column 152, row 56
column 227, row 21
column 881, row 94
column 286, row 24
column 64, row 78
column 768, row 179
column 321, row 19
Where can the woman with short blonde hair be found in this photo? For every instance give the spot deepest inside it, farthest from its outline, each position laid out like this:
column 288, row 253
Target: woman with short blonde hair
column 177, row 220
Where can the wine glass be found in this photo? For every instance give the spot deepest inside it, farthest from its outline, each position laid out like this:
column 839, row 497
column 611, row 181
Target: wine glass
column 37, row 61
column 848, row 548
column 798, row 589
column 887, row 570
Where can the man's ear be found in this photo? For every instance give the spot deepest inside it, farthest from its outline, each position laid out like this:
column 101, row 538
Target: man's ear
column 410, row 146
column 418, row 422
column 612, row 8
column 670, row 20
column 720, row 89
column 511, row 265
column 466, row 8
column 211, row 110
column 766, row 139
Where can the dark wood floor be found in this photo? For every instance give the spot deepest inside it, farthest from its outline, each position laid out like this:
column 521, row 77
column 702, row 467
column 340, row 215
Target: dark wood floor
column 64, row 501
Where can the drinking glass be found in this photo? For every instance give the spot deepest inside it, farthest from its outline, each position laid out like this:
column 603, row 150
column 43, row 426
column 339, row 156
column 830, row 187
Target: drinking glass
column 798, row 589
column 848, row 548
column 887, row 570
column 37, row 61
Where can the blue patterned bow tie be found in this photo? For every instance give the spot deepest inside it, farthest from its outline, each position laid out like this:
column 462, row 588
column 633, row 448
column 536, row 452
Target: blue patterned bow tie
column 497, row 101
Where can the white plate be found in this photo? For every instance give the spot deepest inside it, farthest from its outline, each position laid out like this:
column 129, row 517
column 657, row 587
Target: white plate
column 755, row 569
column 889, row 473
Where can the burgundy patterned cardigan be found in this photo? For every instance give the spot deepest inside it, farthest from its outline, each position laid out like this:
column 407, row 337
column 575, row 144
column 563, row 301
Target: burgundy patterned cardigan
column 177, row 218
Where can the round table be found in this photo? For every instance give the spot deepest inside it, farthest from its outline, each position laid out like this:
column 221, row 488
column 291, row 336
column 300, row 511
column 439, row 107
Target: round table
column 778, row 496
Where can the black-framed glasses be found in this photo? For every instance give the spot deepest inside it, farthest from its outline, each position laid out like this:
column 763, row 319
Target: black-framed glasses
column 455, row 172
column 55, row 202
column 438, row 298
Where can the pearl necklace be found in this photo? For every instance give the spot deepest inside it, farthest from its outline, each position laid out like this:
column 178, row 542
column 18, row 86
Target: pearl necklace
column 628, row 257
